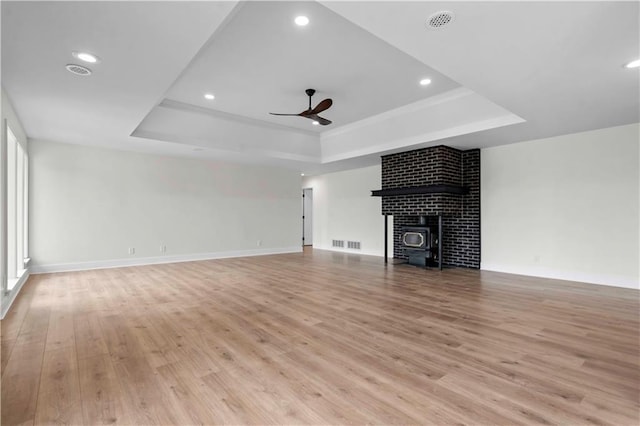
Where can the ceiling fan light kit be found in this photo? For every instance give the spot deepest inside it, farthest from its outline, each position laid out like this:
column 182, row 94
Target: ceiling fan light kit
column 312, row 113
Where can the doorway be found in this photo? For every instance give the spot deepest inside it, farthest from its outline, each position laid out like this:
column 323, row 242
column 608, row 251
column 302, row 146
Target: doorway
column 307, row 217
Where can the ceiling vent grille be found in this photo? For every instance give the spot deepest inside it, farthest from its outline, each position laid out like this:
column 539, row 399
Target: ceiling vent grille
column 78, row 69
column 440, row 19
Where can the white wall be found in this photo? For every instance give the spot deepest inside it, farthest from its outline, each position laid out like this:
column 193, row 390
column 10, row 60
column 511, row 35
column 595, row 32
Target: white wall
column 343, row 209
column 8, row 117
column 564, row 207
column 90, row 205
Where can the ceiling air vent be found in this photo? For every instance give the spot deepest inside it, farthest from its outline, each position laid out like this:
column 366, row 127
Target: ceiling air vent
column 78, row 69
column 440, row 19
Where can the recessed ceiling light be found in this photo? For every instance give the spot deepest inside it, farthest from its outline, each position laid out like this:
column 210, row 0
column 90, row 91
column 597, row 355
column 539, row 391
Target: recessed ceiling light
column 301, row 174
column 86, row 57
column 315, row 123
column 633, row 64
column 425, row 82
column 209, row 96
column 301, row 21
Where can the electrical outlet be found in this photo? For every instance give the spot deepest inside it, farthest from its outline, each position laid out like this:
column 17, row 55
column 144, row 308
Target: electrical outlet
column 163, row 249
column 132, row 250
column 259, row 243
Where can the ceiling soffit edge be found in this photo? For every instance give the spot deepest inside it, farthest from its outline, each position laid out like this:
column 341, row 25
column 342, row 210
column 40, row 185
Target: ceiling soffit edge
column 425, row 139
column 202, row 143
column 185, row 107
column 396, row 112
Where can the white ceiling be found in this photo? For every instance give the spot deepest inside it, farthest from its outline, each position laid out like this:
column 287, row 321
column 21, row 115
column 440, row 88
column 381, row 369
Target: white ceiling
column 260, row 62
column 559, row 65
column 142, row 53
column 506, row 72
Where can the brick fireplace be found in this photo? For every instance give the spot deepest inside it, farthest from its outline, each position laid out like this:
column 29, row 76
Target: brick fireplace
column 435, row 181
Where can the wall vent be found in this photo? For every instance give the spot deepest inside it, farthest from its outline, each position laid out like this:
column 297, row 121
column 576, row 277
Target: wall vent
column 353, row 245
column 337, row 243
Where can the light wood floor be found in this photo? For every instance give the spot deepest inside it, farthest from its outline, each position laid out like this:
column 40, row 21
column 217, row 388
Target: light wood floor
column 317, row 338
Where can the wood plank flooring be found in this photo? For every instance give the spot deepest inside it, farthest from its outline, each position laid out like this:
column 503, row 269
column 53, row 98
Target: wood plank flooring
column 318, row 338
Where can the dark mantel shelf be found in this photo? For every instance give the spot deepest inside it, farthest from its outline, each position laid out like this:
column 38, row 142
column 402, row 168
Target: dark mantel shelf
column 427, row 189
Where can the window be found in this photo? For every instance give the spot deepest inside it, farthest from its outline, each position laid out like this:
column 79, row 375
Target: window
column 12, row 148
column 17, row 209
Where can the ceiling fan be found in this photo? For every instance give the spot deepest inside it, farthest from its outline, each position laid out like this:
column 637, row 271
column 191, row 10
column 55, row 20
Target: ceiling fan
column 312, row 113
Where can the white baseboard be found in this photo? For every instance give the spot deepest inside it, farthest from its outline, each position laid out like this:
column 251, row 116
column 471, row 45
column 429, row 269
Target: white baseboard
column 119, row 263
column 349, row 251
column 608, row 280
column 8, row 299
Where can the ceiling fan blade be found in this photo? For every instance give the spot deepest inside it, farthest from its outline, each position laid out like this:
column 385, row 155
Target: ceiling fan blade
column 320, row 120
column 322, row 106
column 312, row 113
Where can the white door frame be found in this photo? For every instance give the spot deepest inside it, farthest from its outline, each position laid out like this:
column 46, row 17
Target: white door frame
column 307, row 216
